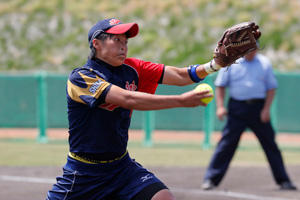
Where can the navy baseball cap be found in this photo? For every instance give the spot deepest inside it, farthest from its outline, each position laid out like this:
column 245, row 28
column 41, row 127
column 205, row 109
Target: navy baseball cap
column 112, row 26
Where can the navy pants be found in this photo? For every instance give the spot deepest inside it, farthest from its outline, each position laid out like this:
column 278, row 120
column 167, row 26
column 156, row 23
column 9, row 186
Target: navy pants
column 119, row 180
column 242, row 115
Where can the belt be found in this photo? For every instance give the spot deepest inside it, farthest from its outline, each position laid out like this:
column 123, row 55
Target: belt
column 93, row 161
column 250, row 101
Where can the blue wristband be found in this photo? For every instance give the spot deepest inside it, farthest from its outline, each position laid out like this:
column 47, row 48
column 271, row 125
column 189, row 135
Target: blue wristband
column 193, row 74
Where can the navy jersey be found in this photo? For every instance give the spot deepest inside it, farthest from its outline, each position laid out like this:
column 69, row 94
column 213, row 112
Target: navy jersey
column 94, row 125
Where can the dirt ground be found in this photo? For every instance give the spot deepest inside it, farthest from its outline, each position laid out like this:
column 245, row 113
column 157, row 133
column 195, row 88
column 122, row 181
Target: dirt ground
column 138, row 135
column 240, row 183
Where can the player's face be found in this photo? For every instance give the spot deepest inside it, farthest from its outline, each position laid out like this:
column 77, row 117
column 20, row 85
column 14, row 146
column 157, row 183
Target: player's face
column 113, row 50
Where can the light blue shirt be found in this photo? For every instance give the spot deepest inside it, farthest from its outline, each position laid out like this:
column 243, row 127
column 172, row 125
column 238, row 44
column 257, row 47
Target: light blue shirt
column 248, row 79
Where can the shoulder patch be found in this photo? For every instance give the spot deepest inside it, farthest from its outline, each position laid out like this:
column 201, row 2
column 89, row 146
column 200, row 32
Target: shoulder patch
column 90, row 85
column 94, row 87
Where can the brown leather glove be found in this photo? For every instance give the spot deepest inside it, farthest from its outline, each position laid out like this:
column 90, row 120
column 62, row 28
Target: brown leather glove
column 236, row 42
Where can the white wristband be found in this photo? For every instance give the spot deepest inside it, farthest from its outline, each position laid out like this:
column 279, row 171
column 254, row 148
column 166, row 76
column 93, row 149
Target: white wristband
column 211, row 67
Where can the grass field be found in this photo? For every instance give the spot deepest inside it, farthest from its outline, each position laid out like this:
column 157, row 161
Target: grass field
column 165, row 152
column 179, row 161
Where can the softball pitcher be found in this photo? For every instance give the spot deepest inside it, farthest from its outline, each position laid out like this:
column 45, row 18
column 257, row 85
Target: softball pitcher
column 101, row 96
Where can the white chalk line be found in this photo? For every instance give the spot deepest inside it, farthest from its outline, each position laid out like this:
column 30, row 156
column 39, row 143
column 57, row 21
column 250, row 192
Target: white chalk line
column 196, row 192
column 27, row 179
column 238, row 195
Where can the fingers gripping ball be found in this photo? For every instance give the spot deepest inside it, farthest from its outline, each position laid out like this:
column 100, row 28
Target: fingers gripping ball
column 203, row 87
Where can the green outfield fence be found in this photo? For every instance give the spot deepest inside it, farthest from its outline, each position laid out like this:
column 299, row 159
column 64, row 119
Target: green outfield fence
column 39, row 100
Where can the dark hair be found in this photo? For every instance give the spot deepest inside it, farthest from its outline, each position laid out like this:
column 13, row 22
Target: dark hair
column 102, row 36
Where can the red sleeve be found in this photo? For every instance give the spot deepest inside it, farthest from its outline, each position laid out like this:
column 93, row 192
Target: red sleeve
column 149, row 74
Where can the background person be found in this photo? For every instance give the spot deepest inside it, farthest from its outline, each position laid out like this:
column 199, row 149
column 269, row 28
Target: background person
column 252, row 86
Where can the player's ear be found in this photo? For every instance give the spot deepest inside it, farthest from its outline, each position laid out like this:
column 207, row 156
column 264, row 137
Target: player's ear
column 97, row 44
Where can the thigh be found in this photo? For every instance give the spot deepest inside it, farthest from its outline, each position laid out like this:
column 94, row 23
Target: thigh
column 236, row 122
column 264, row 132
column 62, row 188
column 233, row 129
column 163, row 195
column 140, row 182
column 155, row 191
column 89, row 181
column 76, row 185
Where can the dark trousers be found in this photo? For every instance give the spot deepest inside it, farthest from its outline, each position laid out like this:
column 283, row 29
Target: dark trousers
column 242, row 114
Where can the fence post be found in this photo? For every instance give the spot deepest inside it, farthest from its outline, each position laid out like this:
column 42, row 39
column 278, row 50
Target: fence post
column 42, row 107
column 209, row 119
column 208, row 125
column 274, row 117
column 149, row 122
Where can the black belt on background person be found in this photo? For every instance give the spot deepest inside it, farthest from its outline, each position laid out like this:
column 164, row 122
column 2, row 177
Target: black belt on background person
column 249, row 101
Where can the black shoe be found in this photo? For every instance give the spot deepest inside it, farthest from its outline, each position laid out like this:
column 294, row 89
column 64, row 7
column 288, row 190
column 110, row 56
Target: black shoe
column 208, row 185
column 287, row 186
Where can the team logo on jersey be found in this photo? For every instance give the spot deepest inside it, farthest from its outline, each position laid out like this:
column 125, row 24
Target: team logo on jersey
column 114, row 21
column 147, row 177
column 93, row 89
column 131, row 87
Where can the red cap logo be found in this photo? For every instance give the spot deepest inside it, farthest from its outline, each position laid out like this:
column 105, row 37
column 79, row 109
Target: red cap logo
column 114, row 21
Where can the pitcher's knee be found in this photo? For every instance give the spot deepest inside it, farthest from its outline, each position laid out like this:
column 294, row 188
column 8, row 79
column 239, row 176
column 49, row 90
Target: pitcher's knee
column 155, row 191
column 164, row 194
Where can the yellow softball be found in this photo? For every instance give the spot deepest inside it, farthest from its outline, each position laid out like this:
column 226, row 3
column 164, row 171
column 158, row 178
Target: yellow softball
column 202, row 87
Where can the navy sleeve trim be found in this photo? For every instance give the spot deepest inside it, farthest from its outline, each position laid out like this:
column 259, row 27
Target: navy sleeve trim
column 162, row 76
column 102, row 97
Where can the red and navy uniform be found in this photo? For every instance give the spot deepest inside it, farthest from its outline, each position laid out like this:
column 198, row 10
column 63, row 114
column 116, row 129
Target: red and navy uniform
column 99, row 128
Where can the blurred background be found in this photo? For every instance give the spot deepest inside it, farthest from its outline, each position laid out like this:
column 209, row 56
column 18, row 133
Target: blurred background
column 52, row 35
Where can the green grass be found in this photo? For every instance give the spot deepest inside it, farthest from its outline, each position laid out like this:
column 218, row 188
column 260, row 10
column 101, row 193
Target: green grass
column 31, row 153
column 52, row 35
